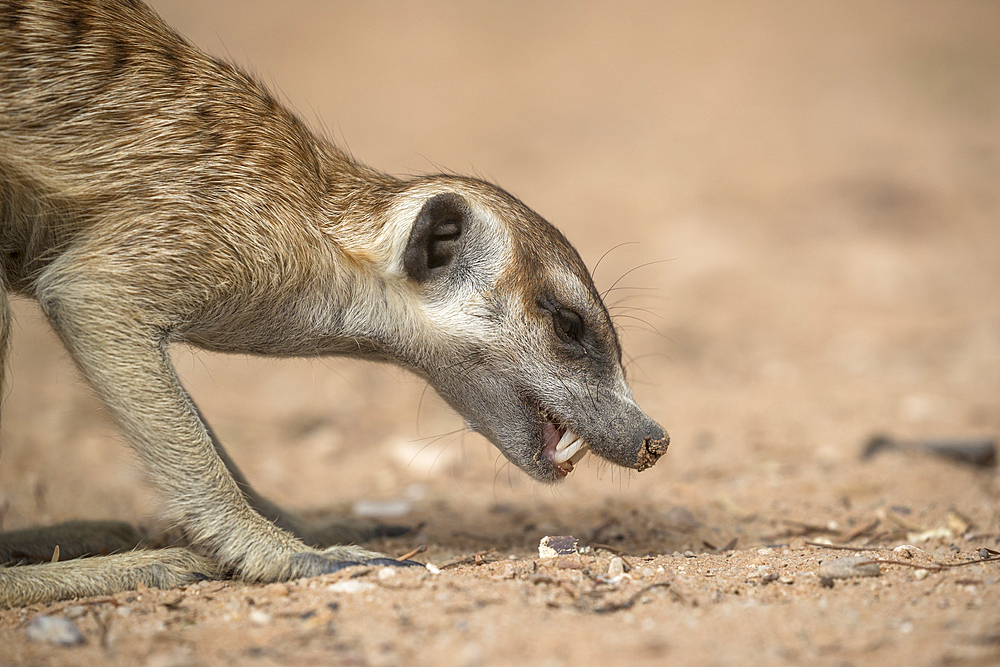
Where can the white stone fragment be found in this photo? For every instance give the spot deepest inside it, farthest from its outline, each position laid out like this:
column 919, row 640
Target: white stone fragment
column 908, row 551
column 551, row 546
column 350, row 586
column 55, row 630
column 260, row 617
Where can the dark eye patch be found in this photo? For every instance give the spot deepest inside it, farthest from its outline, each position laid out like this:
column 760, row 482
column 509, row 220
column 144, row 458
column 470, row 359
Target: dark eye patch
column 568, row 325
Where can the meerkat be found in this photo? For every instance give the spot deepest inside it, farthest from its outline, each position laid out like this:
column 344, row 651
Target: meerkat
column 151, row 194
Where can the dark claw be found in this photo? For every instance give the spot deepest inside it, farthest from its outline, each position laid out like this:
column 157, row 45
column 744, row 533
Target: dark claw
column 314, row 564
column 392, row 562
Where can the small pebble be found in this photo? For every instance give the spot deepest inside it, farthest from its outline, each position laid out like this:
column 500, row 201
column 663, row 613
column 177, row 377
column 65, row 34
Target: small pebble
column 432, row 568
column 260, row 617
column 616, row 567
column 845, row 568
column 908, row 550
column 76, row 611
column 350, row 586
column 55, row 630
column 551, row 546
column 920, row 575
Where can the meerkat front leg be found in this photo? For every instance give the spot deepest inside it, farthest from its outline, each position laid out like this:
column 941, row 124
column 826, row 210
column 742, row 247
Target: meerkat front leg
column 103, row 575
column 315, row 534
column 120, row 347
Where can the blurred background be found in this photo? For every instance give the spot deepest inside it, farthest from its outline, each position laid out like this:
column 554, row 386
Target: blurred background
column 803, row 199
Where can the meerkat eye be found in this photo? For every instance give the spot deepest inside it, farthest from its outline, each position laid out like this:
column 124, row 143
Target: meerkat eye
column 568, row 325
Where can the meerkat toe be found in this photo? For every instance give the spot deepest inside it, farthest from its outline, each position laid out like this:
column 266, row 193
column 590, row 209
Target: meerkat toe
column 175, row 567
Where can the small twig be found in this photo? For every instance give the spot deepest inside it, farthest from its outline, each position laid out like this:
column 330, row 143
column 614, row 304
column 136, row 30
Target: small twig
column 55, row 554
column 467, row 559
column 618, row 552
column 608, row 547
column 933, row 566
column 842, row 547
column 809, row 527
column 937, row 566
column 410, row 554
column 629, row 603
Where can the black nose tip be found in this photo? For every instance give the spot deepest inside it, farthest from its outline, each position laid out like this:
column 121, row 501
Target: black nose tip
column 656, row 431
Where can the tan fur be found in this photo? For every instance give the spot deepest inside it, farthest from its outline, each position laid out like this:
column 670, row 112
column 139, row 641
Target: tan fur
column 151, row 194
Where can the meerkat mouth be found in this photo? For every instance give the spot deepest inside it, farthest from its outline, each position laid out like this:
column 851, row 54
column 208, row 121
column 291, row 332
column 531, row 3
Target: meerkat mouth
column 561, row 447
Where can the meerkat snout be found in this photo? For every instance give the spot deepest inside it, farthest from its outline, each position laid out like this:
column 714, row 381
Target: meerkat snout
column 522, row 345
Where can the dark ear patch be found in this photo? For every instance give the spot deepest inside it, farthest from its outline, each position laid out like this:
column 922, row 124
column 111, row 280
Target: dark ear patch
column 435, row 237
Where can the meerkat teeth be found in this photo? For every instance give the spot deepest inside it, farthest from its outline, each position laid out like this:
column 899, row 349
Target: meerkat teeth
column 568, row 452
column 567, row 438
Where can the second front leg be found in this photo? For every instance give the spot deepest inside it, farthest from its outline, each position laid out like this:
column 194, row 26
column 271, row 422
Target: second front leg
column 324, row 533
column 122, row 352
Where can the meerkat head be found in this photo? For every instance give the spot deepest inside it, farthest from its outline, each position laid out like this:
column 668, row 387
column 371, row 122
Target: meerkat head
column 513, row 333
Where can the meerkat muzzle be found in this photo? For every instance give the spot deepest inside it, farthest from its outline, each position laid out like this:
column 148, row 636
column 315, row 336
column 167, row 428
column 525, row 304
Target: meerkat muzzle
column 651, row 451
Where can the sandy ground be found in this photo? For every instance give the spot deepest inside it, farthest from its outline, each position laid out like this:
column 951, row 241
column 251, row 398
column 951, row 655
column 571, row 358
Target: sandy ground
column 820, row 183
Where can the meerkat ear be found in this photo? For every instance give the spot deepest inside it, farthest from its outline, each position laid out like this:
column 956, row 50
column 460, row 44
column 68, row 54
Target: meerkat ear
column 435, row 236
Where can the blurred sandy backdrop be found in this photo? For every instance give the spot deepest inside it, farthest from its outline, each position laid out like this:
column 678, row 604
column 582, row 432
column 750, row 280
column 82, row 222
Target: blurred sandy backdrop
column 823, row 180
